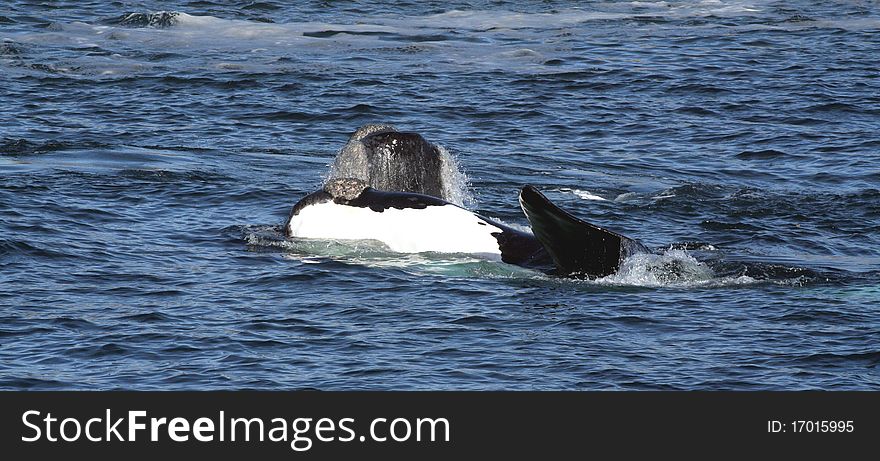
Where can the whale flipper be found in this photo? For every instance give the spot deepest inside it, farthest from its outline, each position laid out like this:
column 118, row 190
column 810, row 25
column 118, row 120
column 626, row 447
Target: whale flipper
column 577, row 247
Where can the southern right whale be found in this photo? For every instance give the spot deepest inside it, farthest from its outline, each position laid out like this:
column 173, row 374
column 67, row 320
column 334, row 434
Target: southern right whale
column 406, row 222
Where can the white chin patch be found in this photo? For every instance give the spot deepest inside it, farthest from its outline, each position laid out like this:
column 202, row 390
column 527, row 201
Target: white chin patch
column 441, row 229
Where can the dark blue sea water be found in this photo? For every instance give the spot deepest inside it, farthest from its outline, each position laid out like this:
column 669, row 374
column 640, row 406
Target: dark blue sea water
column 147, row 162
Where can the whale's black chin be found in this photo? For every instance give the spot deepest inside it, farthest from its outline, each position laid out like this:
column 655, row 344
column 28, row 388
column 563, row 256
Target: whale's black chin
column 390, row 160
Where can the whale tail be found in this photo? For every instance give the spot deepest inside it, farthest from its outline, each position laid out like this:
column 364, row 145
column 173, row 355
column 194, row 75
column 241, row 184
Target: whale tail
column 577, row 247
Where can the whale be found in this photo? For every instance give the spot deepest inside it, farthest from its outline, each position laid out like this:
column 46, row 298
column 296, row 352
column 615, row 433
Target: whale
column 559, row 243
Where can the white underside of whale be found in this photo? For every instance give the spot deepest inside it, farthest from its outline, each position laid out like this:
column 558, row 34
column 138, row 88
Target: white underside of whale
column 440, row 229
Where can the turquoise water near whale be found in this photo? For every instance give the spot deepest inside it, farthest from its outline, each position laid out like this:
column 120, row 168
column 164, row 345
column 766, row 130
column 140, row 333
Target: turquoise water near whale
column 150, row 151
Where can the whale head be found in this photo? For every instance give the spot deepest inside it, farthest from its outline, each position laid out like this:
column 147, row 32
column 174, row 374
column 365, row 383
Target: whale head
column 391, row 160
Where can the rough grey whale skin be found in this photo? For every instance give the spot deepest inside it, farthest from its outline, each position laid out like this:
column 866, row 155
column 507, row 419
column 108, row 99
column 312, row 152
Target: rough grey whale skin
column 562, row 244
column 391, row 160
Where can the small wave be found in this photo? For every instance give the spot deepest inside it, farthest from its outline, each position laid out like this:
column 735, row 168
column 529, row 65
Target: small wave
column 699, row 111
column 158, row 20
column 775, row 273
column 13, row 382
column 798, row 18
column 870, row 359
column 821, row 315
column 10, row 49
column 523, row 53
column 698, row 191
column 21, row 146
column 693, row 246
column 165, row 176
column 766, row 154
column 15, row 248
column 698, row 88
column 69, row 323
column 270, row 238
column 726, row 226
column 333, row 33
column 148, row 317
column 834, row 107
column 104, row 350
column 261, row 6
column 672, row 268
column 583, row 194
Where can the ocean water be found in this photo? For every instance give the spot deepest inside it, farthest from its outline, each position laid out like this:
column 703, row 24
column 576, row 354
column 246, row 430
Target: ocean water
column 150, row 151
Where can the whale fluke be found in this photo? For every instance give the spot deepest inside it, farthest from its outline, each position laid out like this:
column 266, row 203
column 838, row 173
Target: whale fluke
column 578, row 248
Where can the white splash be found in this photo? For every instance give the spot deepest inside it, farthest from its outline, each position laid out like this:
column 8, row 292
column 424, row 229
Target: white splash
column 456, row 187
column 583, row 194
column 672, row 268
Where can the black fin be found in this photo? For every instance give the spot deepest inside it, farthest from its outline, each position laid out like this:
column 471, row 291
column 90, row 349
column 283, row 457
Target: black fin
column 522, row 249
column 577, row 247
